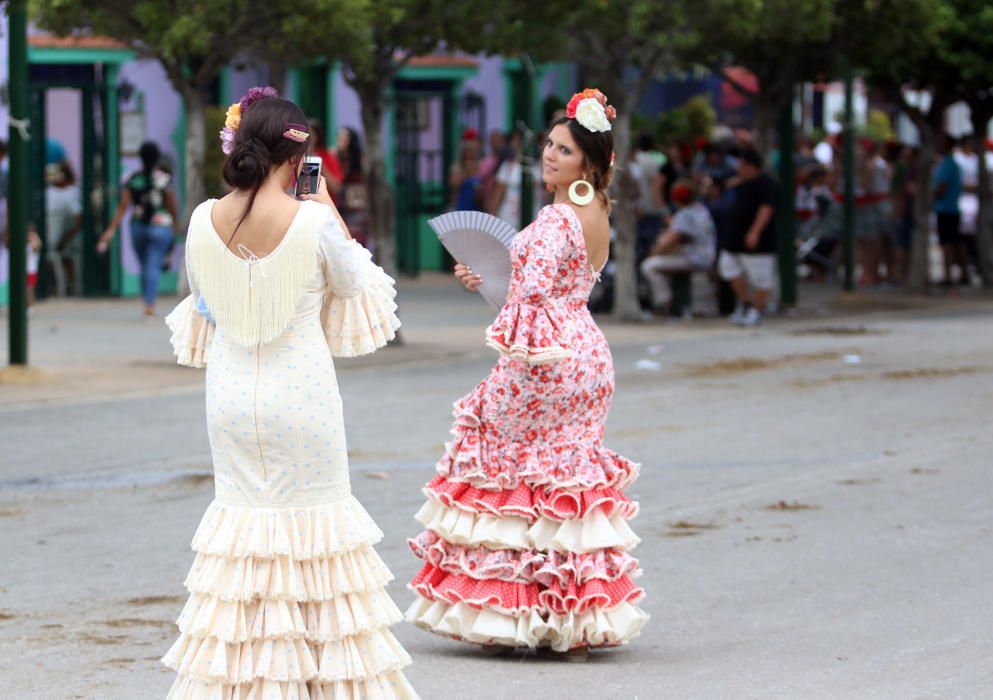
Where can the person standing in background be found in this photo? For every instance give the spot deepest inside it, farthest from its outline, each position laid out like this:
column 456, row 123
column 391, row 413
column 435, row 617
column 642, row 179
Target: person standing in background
column 153, row 220
column 330, row 165
column 968, row 161
column 490, row 164
column 645, row 169
column 354, row 194
column 748, row 256
column 464, row 180
column 63, row 221
column 947, row 186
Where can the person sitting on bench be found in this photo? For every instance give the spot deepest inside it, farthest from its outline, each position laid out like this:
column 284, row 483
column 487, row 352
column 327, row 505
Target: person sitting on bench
column 687, row 245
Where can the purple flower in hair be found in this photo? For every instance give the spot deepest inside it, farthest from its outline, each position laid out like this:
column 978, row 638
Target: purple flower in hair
column 257, row 93
column 227, row 140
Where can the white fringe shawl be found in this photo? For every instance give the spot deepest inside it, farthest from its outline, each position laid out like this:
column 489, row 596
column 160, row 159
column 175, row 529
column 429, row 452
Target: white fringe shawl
column 253, row 299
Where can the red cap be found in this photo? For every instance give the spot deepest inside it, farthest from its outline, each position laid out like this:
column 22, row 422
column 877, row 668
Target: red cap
column 681, row 194
column 470, row 135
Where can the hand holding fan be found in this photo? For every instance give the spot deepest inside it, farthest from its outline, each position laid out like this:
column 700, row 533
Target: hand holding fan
column 482, row 242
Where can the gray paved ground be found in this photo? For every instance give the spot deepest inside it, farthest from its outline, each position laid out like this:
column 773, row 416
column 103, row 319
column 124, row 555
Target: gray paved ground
column 812, row 528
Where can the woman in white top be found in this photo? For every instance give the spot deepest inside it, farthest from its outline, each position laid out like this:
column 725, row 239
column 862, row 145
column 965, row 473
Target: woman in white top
column 287, row 595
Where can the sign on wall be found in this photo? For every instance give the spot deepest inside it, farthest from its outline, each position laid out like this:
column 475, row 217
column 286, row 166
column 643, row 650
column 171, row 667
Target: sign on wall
column 132, row 132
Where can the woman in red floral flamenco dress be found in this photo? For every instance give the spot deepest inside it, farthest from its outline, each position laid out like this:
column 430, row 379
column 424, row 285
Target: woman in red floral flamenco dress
column 526, row 538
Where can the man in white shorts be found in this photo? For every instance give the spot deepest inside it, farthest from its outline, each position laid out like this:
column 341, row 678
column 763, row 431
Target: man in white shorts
column 748, row 256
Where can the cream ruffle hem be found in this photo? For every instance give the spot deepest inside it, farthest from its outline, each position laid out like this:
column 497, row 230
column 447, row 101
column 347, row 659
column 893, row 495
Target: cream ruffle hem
column 288, row 603
column 595, row 627
column 593, row 532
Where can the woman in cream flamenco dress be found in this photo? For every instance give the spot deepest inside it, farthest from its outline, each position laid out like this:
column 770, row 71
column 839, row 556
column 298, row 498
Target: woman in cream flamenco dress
column 287, row 595
column 526, row 541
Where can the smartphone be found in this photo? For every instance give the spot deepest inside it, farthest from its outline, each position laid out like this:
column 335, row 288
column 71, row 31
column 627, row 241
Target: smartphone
column 310, row 175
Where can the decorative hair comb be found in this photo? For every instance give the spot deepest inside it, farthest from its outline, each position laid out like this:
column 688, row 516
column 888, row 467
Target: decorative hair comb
column 296, row 132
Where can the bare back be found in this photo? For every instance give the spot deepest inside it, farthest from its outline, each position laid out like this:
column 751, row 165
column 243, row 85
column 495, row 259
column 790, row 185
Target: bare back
column 596, row 232
column 265, row 226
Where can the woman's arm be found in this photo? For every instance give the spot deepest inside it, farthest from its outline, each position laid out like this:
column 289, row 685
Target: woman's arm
column 108, row 234
column 496, row 197
column 324, row 198
column 170, row 204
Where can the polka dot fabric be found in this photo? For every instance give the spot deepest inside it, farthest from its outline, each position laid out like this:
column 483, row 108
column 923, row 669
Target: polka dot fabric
column 526, row 538
column 287, row 594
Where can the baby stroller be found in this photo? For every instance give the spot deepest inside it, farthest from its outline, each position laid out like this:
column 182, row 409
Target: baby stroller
column 819, row 234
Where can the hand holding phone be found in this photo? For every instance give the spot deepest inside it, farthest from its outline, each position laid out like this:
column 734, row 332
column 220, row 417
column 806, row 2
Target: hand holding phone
column 310, row 177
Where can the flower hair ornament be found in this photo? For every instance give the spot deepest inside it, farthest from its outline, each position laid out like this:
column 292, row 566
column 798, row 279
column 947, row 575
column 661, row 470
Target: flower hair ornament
column 232, row 120
column 591, row 110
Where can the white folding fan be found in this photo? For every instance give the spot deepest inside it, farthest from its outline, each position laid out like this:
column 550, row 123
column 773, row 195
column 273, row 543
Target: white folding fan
column 482, row 242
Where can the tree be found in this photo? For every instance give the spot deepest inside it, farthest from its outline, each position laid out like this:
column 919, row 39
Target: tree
column 192, row 40
column 782, row 42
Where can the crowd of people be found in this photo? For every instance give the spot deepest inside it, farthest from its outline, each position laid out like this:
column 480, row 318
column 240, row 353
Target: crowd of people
column 710, row 208
column 885, row 201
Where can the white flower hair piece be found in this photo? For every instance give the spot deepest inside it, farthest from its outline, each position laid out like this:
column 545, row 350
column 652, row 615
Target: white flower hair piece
column 592, row 115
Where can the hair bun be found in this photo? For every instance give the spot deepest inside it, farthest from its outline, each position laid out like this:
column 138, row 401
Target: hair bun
column 248, row 164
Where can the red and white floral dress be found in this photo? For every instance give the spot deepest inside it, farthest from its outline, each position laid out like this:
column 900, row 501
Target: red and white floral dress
column 526, row 538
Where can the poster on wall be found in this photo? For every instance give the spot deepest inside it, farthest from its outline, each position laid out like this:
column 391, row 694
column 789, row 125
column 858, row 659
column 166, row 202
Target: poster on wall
column 132, row 132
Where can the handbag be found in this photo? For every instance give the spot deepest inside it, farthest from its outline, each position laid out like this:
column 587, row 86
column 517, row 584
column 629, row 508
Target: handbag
column 356, row 196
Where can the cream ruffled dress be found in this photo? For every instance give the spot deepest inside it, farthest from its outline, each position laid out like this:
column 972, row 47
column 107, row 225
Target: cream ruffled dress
column 287, row 595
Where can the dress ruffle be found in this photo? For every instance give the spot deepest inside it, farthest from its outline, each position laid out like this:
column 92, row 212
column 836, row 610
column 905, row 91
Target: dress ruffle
column 595, row 531
column 298, row 533
column 517, row 598
column 288, row 603
column 531, row 333
column 287, row 660
column 363, row 323
column 192, row 334
column 594, row 627
column 283, row 578
column 524, row 566
column 388, row 686
column 325, row 621
column 531, row 503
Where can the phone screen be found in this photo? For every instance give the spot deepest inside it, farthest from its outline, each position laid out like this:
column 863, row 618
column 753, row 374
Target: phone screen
column 309, row 174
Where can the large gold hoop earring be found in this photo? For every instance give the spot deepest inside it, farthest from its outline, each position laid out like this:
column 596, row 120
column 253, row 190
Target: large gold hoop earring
column 584, row 199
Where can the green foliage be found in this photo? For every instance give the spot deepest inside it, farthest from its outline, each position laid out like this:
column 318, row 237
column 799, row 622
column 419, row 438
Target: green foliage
column 694, row 119
column 700, row 116
column 192, row 39
column 878, row 126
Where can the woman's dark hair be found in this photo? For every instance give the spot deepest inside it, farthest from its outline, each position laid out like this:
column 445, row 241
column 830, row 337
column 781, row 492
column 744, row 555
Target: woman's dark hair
column 259, row 146
column 597, row 149
column 149, row 154
column 352, row 164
